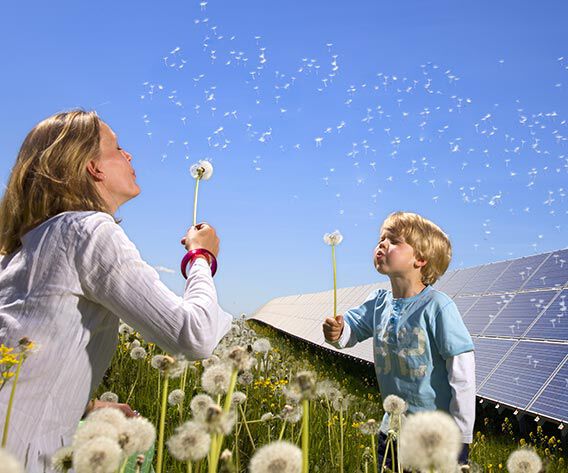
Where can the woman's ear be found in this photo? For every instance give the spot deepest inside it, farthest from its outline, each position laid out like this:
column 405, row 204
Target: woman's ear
column 94, row 170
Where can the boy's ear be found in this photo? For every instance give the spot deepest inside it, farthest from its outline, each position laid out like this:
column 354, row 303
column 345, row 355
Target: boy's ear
column 418, row 263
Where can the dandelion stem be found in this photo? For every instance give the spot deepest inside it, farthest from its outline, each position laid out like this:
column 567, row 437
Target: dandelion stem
column 189, row 468
column 341, row 439
column 386, row 453
column 162, row 425
column 305, row 435
column 282, row 430
column 11, row 401
column 374, row 452
column 246, row 426
column 135, row 381
column 334, row 281
column 195, row 201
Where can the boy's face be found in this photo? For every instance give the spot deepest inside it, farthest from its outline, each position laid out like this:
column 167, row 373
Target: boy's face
column 394, row 257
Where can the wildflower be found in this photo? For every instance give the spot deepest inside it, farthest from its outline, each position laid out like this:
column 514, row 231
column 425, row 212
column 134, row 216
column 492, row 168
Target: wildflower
column 216, row 379
column 125, row 329
column 333, row 239
column 201, row 170
column 109, row 397
column 190, row 442
column 176, row 397
column 238, row 398
column 138, row 353
column 9, row 463
column 62, row 459
column 430, row 440
column 524, row 460
column 218, row 422
column 199, row 405
column 280, row 456
column 262, row 345
column 98, row 455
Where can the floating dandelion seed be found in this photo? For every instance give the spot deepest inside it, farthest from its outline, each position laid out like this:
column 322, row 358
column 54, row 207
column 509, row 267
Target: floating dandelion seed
column 333, row 239
column 201, row 170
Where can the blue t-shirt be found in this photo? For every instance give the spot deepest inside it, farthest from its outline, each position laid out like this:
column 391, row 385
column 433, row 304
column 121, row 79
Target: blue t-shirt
column 412, row 338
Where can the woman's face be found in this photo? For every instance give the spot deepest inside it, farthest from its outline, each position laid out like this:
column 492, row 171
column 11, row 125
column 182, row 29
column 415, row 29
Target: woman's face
column 113, row 172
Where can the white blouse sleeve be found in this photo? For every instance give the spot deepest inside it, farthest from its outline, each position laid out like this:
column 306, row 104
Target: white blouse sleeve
column 461, row 376
column 112, row 273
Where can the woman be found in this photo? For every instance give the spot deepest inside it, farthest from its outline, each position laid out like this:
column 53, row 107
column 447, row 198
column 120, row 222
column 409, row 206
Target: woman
column 68, row 273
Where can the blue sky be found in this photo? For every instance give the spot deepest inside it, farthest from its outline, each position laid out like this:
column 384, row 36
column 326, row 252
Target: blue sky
column 316, row 116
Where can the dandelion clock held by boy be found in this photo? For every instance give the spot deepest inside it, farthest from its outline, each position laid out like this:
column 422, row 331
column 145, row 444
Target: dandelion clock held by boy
column 69, row 273
column 423, row 352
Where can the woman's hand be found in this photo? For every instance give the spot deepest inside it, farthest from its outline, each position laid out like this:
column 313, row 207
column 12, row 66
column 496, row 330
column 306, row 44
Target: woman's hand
column 201, row 235
column 125, row 408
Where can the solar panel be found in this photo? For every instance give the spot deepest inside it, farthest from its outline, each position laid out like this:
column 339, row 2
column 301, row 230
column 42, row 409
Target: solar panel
column 552, row 401
column 481, row 281
column 552, row 273
column 521, row 375
column 515, row 310
column 518, row 314
column 488, row 353
column 517, row 273
column 553, row 323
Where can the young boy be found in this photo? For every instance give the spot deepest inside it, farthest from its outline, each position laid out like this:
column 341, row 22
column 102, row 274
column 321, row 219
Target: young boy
column 422, row 350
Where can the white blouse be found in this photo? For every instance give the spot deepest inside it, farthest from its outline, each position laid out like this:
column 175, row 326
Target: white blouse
column 65, row 289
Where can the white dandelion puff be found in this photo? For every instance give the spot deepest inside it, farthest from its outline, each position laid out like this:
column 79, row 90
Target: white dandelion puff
column 125, row 329
column 218, row 422
column 176, row 397
column 109, row 396
column 239, row 358
column 268, row 416
column 262, row 345
column 138, row 353
column 238, row 398
column 216, row 379
column 394, row 405
column 112, row 415
column 370, row 427
column 280, row 456
column 94, row 430
column 134, row 344
column 9, row 463
column 524, row 460
column 137, row 435
column 189, row 443
column 62, row 459
column 341, row 402
column 291, row 413
column 199, row 405
column 99, row 455
column 212, row 360
column 333, row 238
column 430, row 440
column 245, row 378
column 203, row 169
column 305, row 384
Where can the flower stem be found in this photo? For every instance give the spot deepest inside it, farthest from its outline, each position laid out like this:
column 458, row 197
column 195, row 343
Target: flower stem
column 334, row 281
column 374, row 452
column 162, row 425
column 195, row 201
column 11, row 401
column 305, row 435
column 341, row 439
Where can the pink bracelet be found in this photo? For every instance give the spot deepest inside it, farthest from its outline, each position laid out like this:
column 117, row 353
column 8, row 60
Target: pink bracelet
column 190, row 255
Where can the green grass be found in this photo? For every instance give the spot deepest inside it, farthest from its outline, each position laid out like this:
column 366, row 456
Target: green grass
column 496, row 436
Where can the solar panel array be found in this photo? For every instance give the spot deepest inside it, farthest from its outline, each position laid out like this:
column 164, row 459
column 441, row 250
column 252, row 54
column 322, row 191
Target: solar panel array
column 515, row 310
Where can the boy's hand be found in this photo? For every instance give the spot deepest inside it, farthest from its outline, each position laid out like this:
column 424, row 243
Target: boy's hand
column 333, row 328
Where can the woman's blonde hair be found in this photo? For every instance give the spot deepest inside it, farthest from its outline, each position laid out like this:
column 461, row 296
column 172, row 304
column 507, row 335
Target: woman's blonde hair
column 50, row 175
column 426, row 238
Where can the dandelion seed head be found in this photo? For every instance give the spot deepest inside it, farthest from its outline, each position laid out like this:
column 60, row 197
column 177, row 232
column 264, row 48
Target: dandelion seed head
column 238, row 398
column 9, row 463
column 112, row 415
column 341, row 403
column 176, row 397
column 291, row 413
column 245, row 378
column 333, row 238
column 212, row 360
column 262, row 345
column 203, row 169
column 430, row 439
column 138, row 353
column 137, row 435
column 394, row 405
column 94, row 430
column 305, row 384
column 218, row 422
column 216, row 379
column 239, row 358
column 199, row 405
column 125, row 329
column 268, row 416
column 62, row 459
column 524, row 460
column 370, row 427
column 109, row 396
column 99, row 455
column 134, row 344
column 277, row 457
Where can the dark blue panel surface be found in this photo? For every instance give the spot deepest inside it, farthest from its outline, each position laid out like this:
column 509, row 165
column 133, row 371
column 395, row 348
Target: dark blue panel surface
column 553, row 401
column 481, row 281
column 553, row 323
column 518, row 273
column 488, row 352
column 484, row 311
column 552, row 273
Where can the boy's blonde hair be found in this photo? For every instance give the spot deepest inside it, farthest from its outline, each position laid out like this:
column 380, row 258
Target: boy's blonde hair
column 426, row 238
column 50, row 175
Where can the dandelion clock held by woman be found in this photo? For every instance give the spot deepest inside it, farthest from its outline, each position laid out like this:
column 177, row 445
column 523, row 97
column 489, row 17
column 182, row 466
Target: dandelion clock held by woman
column 68, row 273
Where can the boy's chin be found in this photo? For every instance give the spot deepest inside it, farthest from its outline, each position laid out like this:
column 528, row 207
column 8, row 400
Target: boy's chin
column 380, row 269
